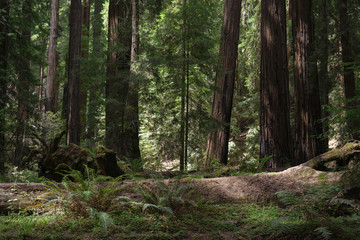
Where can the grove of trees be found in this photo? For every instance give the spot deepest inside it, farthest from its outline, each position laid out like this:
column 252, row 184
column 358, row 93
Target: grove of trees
column 197, row 82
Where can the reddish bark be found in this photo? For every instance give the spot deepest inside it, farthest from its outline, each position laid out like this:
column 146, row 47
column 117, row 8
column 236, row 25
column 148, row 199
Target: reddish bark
column 73, row 88
column 308, row 127
column 218, row 139
column 275, row 135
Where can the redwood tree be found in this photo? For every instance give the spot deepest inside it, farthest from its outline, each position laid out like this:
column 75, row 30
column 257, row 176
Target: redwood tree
column 130, row 136
column 51, row 92
column 95, row 85
column 23, row 83
column 323, row 66
column 85, row 22
column 118, row 71
column 275, row 135
column 218, row 139
column 4, row 10
column 308, row 127
column 73, row 86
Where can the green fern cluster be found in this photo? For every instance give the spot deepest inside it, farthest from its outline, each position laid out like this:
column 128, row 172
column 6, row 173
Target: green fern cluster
column 164, row 197
column 317, row 210
column 86, row 195
column 315, row 202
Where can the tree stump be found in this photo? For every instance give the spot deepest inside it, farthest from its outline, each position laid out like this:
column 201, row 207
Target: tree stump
column 107, row 163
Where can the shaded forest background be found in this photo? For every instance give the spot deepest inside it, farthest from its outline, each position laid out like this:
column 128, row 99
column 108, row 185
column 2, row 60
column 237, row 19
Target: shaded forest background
column 139, row 78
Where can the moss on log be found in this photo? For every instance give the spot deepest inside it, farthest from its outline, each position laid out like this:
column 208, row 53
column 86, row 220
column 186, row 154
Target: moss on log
column 342, row 156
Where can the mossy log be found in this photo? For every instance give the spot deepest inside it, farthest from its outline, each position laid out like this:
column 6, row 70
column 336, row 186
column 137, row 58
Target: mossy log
column 63, row 159
column 54, row 159
column 342, row 156
column 255, row 188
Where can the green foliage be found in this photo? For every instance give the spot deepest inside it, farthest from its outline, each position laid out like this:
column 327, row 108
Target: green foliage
column 343, row 121
column 317, row 202
column 351, row 179
column 254, row 166
column 85, row 194
column 244, row 149
column 47, row 125
column 323, row 233
column 318, row 208
column 161, row 87
column 207, row 221
column 15, row 175
column 136, row 165
column 169, row 197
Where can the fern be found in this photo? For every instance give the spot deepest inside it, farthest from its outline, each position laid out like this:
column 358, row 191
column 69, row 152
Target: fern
column 158, row 208
column 342, row 201
column 83, row 191
column 165, row 198
column 288, row 198
column 105, row 220
column 323, row 233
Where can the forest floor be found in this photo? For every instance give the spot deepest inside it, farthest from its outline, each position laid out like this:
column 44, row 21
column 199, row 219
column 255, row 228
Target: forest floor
column 267, row 209
column 297, row 203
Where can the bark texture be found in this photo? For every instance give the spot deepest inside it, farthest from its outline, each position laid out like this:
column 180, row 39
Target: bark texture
column 183, row 84
column 52, row 86
column 218, row 139
column 275, row 135
column 23, row 84
column 118, row 71
column 4, row 8
column 85, row 21
column 73, row 87
column 307, row 98
column 107, row 162
column 323, row 67
column 93, row 106
column 131, row 148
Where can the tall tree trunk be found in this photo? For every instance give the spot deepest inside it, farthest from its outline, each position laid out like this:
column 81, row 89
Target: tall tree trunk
column 187, row 58
column 275, row 134
column 307, row 99
column 23, row 85
column 85, row 22
column 73, row 87
column 51, row 82
column 94, row 86
column 41, row 88
column 183, row 84
column 218, row 139
column 323, row 68
column 117, row 84
column 4, row 8
column 131, row 149
column 353, row 121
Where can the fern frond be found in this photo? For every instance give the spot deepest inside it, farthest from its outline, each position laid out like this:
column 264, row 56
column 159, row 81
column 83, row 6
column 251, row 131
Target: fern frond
column 343, row 201
column 123, row 198
column 105, row 220
column 323, row 232
column 288, row 198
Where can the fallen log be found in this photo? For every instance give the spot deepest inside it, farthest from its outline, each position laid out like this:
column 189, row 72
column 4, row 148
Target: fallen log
column 256, row 187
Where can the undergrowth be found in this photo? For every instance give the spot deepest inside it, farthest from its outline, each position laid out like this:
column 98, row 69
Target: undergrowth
column 321, row 212
column 89, row 206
